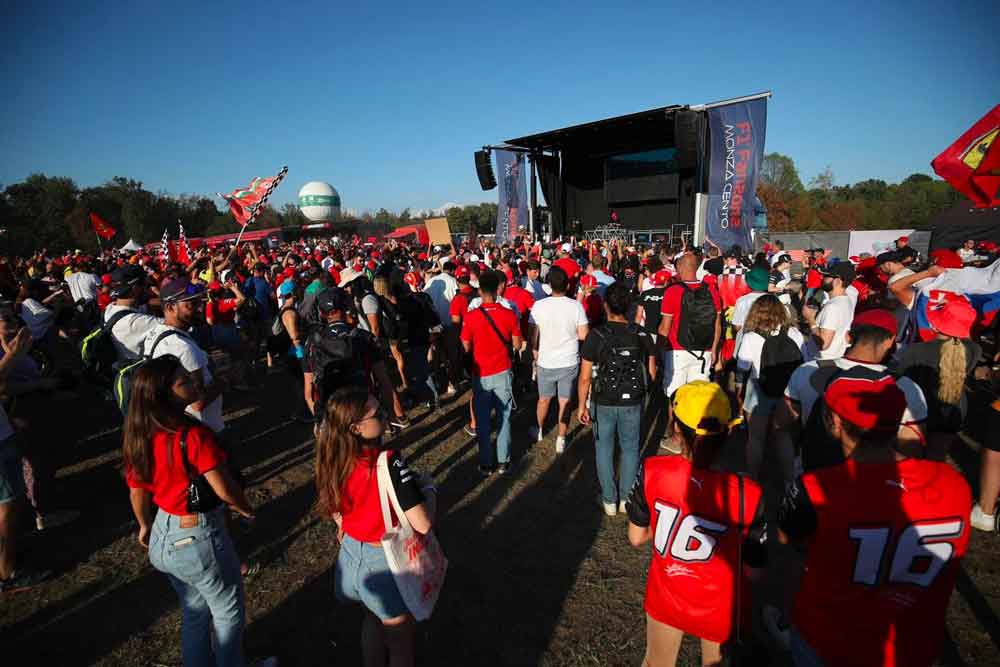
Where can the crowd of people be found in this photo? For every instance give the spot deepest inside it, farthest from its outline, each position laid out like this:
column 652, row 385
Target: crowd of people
column 841, row 408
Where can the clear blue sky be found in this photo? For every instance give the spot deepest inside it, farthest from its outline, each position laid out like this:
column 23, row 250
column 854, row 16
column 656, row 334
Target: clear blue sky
column 388, row 102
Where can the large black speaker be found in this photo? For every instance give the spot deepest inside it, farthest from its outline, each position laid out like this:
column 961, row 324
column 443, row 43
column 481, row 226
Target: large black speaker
column 484, row 170
column 687, row 126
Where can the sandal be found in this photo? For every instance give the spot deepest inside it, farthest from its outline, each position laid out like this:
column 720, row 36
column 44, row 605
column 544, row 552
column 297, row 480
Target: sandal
column 253, row 568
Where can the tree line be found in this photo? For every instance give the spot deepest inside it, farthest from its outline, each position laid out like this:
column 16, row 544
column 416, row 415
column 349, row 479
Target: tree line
column 870, row 204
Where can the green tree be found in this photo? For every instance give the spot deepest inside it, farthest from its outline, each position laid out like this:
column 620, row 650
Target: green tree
column 779, row 172
column 292, row 216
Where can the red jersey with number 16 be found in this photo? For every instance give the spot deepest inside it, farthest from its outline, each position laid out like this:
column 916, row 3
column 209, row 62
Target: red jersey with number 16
column 694, row 515
column 882, row 561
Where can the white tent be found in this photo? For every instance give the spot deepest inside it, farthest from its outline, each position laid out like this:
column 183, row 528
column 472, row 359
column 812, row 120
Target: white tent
column 131, row 246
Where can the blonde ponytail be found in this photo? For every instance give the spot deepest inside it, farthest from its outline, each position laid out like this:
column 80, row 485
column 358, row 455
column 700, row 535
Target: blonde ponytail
column 951, row 372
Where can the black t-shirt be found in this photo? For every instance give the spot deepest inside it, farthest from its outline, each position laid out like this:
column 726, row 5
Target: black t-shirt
column 651, row 301
column 417, row 310
column 919, row 362
column 597, row 347
column 715, row 266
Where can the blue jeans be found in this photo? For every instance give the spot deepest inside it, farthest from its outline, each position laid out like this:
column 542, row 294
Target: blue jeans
column 623, row 419
column 419, row 371
column 362, row 574
column 489, row 393
column 202, row 566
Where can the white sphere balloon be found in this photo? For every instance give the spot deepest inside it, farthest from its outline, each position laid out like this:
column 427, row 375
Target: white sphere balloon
column 319, row 201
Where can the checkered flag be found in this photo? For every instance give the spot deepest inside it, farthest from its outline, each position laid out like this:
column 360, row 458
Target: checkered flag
column 165, row 248
column 183, row 249
column 246, row 203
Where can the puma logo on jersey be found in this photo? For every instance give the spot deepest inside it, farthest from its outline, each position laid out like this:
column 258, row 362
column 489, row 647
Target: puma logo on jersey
column 696, row 482
column 892, row 482
column 678, row 570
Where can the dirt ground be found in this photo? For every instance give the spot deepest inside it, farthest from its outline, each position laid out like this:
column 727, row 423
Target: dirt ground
column 538, row 575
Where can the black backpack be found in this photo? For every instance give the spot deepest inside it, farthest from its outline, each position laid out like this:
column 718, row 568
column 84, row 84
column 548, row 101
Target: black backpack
column 391, row 320
column 698, row 312
column 337, row 359
column 817, row 448
column 779, row 358
column 621, row 371
column 249, row 310
column 98, row 354
column 125, row 371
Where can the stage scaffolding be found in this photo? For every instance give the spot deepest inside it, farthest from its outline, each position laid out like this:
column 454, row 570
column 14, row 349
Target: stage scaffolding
column 674, row 235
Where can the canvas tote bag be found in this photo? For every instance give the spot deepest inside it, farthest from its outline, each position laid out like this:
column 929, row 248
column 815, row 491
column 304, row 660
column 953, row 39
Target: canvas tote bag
column 417, row 562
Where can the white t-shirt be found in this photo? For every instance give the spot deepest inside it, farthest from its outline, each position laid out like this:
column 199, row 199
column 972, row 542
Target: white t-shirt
column 800, row 390
column 369, row 306
column 852, row 293
column 537, row 288
column 37, row 317
column 742, row 307
column 749, row 346
column 83, row 286
column 192, row 358
column 129, row 333
column 442, row 288
column 836, row 316
column 557, row 318
column 913, row 292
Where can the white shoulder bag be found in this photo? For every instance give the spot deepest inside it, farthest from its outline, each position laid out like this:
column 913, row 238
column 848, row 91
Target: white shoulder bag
column 417, row 562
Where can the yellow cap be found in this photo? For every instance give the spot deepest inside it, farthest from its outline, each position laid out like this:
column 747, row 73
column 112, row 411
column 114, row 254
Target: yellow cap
column 698, row 401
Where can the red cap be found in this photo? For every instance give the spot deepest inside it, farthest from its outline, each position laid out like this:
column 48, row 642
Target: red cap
column 587, row 280
column 422, row 257
column 903, row 239
column 951, row 314
column 946, row 259
column 371, row 265
column 877, row 317
column 106, row 279
column 413, row 278
column 375, row 254
column 661, row 278
column 462, row 272
column 873, row 405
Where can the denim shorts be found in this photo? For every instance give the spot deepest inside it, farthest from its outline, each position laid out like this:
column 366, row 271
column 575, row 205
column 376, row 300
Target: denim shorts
column 11, row 473
column 362, row 575
column 557, row 381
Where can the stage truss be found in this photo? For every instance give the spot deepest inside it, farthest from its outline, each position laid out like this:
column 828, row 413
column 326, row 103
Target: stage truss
column 675, row 235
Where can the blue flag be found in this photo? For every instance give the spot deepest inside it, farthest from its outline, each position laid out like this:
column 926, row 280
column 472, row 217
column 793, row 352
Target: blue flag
column 512, row 211
column 735, row 156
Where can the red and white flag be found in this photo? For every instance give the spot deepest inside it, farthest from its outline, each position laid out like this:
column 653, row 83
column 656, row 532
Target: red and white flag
column 184, row 255
column 165, row 248
column 246, row 203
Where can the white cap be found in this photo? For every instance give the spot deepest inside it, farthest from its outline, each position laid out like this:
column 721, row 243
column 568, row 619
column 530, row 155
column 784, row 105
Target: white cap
column 347, row 275
column 567, row 247
column 473, row 257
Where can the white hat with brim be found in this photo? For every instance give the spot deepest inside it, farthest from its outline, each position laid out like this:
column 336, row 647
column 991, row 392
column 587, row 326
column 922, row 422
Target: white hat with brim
column 347, row 276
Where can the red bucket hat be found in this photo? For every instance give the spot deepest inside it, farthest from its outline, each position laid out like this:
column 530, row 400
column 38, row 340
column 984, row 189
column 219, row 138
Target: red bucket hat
column 952, row 315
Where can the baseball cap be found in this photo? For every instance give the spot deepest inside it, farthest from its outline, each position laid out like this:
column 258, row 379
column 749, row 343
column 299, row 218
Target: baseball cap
column 903, row 239
column 843, row 270
column 952, row 315
column 566, row 247
column 877, row 317
column 587, row 280
column 872, row 405
column 181, row 289
column 889, row 256
column 757, row 279
column 703, row 406
column 331, row 299
column 781, row 257
column 286, row 287
column 462, row 272
column 661, row 278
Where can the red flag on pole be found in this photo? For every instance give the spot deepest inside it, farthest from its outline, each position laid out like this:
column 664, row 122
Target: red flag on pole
column 101, row 228
column 184, row 255
column 246, row 203
column 972, row 163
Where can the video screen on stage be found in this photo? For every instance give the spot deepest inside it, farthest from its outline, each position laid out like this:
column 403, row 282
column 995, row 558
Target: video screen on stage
column 642, row 176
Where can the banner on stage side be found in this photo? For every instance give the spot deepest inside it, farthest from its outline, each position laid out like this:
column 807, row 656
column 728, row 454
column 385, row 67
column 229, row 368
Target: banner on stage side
column 736, row 132
column 512, row 211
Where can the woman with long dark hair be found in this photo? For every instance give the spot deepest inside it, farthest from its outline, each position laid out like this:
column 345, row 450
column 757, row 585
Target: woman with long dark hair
column 348, row 444
column 706, row 526
column 164, row 451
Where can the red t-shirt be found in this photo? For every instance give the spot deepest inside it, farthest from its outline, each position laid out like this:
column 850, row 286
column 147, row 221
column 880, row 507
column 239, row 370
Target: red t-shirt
column 361, row 508
column 169, row 481
column 814, row 280
column 522, row 300
column 694, row 515
column 460, row 303
column 103, row 299
column 671, row 305
column 569, row 266
column 883, row 560
column 335, row 274
column 489, row 354
column 221, row 311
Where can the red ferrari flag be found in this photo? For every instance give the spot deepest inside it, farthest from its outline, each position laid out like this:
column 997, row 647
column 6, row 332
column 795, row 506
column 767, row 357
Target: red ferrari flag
column 103, row 229
column 972, row 164
column 245, row 203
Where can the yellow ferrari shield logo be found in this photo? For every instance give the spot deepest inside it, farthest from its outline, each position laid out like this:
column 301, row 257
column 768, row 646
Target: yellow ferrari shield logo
column 974, row 154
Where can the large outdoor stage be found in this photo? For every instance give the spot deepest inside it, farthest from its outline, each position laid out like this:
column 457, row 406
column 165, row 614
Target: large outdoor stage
column 642, row 166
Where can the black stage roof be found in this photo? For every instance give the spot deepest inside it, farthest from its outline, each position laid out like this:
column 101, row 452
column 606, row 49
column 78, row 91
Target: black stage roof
column 607, row 134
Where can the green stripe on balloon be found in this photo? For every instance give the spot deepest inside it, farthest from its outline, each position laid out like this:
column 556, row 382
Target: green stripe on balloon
column 319, row 200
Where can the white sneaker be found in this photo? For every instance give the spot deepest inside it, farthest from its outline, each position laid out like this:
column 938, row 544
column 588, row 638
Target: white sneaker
column 782, row 636
column 560, row 444
column 983, row 521
column 610, row 508
column 621, row 507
